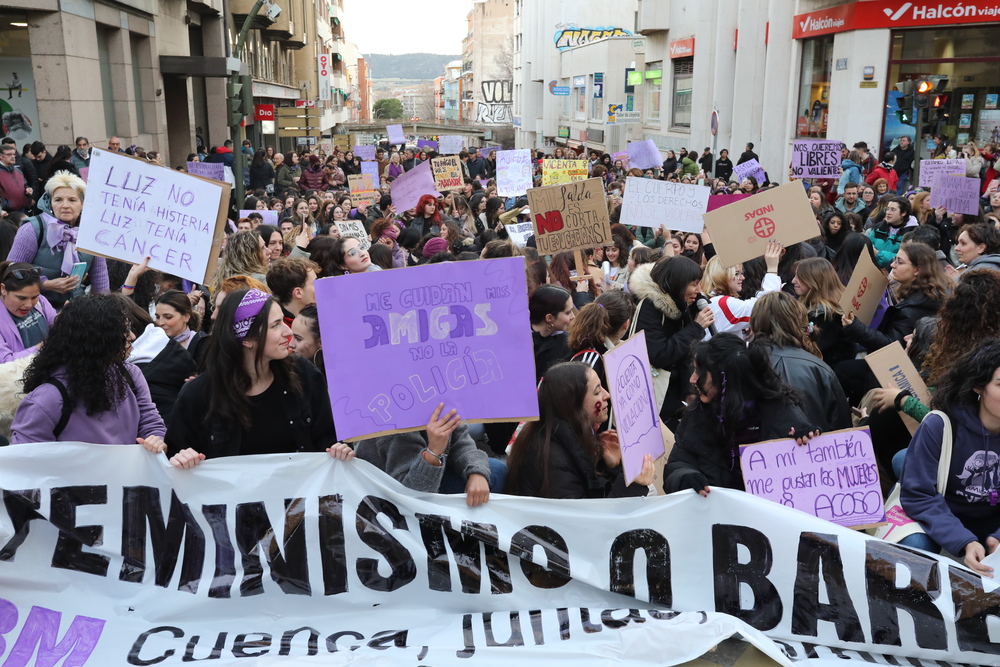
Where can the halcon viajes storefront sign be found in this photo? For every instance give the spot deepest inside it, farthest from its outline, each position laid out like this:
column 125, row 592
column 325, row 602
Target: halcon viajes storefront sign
column 893, row 14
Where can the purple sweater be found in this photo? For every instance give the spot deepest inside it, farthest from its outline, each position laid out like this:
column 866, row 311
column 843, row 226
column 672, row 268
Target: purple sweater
column 40, row 411
column 25, row 247
column 11, row 346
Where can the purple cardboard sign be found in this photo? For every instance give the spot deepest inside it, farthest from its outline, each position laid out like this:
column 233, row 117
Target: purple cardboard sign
column 957, row 194
column 424, row 143
column 644, row 155
column 718, row 201
column 268, row 217
column 455, row 333
column 816, row 158
column 213, row 170
column 396, row 136
column 371, row 168
column 364, row 152
column 750, row 168
column 834, row 476
column 637, row 420
column 410, row 186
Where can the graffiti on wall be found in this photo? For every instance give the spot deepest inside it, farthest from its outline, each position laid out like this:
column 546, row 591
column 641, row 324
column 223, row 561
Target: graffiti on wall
column 496, row 102
column 568, row 37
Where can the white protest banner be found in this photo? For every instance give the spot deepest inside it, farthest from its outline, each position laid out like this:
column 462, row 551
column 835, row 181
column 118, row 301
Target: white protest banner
column 514, row 172
column 930, row 169
column 519, row 232
column 816, row 158
column 354, row 229
column 396, row 136
column 834, row 476
column 268, row 217
column 644, row 154
column 451, row 144
column 409, row 187
column 113, row 557
column 135, row 209
column 651, row 203
column 958, row 194
column 447, row 173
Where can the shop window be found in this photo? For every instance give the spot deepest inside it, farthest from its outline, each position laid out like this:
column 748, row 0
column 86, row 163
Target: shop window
column 814, row 87
column 139, row 47
column 680, row 113
column 653, row 83
column 580, row 96
column 104, row 36
column 597, row 103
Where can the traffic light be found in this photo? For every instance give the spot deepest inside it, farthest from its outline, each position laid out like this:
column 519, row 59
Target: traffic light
column 905, row 102
column 922, row 93
column 940, row 106
column 239, row 98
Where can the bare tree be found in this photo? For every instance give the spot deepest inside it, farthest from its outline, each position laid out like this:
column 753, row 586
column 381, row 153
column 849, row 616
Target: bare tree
column 503, row 60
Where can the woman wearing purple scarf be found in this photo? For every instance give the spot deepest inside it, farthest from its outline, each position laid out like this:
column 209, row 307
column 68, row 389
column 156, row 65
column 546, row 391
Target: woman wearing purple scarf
column 48, row 241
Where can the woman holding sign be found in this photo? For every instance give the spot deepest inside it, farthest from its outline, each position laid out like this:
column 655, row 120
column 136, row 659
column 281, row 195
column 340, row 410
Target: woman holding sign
column 723, row 286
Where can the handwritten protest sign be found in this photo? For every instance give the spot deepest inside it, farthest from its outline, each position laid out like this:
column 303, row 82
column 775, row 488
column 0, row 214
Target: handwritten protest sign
column 364, row 152
column 718, row 201
column 637, row 418
column 424, row 143
column 892, row 368
column 957, row 194
column 447, row 173
column 834, row 476
column 455, row 333
column 569, row 217
column 519, row 232
column 135, row 209
column 409, row 187
column 679, row 206
column 362, row 189
column 354, row 229
column 555, row 172
column 930, row 169
column 451, row 144
column 751, row 168
column 741, row 230
column 865, row 289
column 371, row 168
column 815, row 158
column 267, row 217
column 623, row 157
column 644, row 154
column 396, row 136
column 214, row 170
column 514, row 172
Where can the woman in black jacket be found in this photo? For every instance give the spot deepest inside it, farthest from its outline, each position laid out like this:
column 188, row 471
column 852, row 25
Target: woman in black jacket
column 741, row 400
column 670, row 164
column 261, row 173
column 551, row 311
column 724, row 166
column 667, row 313
column 253, row 398
column 559, row 456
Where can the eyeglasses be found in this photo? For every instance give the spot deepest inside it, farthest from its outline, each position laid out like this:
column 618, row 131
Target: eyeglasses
column 354, row 252
column 21, row 274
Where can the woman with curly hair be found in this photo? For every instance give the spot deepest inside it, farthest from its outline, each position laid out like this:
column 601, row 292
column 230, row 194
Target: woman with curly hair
column 244, row 256
column 80, row 388
column 254, row 397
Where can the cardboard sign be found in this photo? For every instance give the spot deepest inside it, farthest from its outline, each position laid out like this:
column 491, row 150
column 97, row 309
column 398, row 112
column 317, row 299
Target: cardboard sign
column 816, row 159
column 514, row 172
column 214, row 170
column 751, row 168
column 362, row 189
column 741, row 230
column 865, row 289
column 569, row 217
column 651, row 203
column 957, row 194
column 396, row 136
column 135, row 209
column 268, row 217
column 451, row 144
column 834, row 476
column 930, row 169
column 892, row 367
column 644, row 155
column 354, row 229
column 718, row 201
column 424, row 143
column 409, row 187
column 637, row 418
column 555, row 172
column 448, row 173
column 519, row 232
column 364, row 152
column 371, row 168
column 455, row 333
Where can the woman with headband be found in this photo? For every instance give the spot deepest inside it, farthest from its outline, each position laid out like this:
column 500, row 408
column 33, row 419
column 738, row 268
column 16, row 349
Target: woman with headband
column 254, row 397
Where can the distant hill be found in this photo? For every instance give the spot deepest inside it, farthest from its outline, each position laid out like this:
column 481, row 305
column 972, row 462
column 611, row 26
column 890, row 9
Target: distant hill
column 409, row 66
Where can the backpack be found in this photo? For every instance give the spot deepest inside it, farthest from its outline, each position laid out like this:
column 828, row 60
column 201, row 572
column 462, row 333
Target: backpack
column 68, row 405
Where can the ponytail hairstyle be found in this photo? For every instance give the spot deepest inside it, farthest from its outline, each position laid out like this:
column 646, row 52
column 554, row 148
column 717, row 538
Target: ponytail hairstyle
column 600, row 320
column 547, row 300
column 779, row 319
column 180, row 302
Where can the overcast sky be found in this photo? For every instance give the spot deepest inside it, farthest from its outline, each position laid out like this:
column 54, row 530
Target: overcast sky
column 406, row 26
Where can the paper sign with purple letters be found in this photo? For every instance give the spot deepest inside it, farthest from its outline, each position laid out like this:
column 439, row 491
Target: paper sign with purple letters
column 957, row 194
column 750, row 168
column 651, row 203
column 364, row 152
column 637, row 419
column 455, row 333
column 644, row 155
column 268, row 217
column 396, row 136
column 816, row 158
column 371, row 168
column 514, row 171
column 834, row 476
column 929, row 170
column 424, row 143
column 410, row 186
column 451, row 144
column 214, row 170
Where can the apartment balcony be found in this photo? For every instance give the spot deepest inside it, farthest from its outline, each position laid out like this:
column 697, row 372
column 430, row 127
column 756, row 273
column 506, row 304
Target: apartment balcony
column 241, row 9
